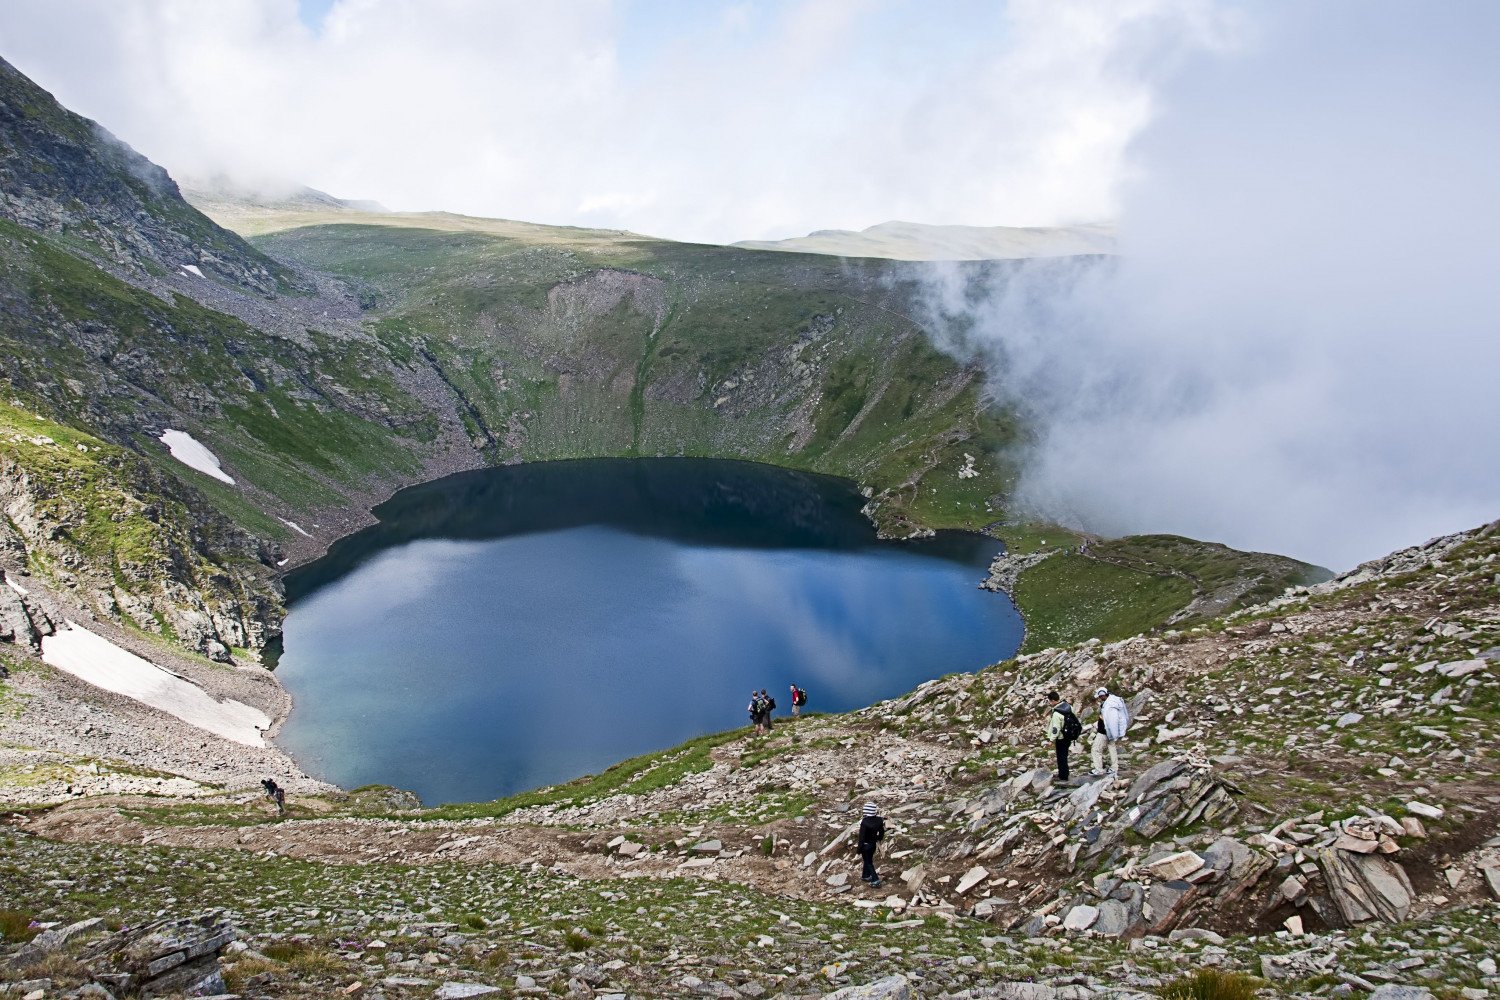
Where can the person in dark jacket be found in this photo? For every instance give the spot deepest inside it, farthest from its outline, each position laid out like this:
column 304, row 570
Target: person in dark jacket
column 1057, row 721
column 871, row 832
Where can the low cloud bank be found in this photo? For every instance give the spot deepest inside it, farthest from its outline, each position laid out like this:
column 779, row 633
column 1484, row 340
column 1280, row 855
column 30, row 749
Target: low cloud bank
column 1299, row 346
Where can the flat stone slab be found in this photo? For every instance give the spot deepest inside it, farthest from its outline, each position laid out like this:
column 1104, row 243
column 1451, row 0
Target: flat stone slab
column 458, row 991
column 1392, row 991
column 889, row 988
column 1462, row 668
column 971, row 878
column 1176, row 866
column 1081, row 917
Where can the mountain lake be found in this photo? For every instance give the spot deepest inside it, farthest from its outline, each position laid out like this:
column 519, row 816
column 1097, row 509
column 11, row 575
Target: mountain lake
column 508, row 628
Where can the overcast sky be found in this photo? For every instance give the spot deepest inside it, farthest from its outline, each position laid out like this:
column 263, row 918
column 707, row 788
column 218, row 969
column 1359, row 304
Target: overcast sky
column 1299, row 350
column 684, row 118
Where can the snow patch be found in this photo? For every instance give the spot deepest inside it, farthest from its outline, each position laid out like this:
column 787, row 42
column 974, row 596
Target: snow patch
column 13, row 585
column 192, row 269
column 187, row 450
column 96, row 660
column 294, row 526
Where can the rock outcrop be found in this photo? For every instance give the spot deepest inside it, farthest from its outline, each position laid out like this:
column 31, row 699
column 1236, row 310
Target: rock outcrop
column 128, row 543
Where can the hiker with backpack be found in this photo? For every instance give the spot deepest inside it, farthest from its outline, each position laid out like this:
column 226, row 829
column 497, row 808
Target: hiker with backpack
column 275, row 793
column 871, row 833
column 770, row 706
column 799, row 698
column 1114, row 720
column 1063, row 728
column 757, row 710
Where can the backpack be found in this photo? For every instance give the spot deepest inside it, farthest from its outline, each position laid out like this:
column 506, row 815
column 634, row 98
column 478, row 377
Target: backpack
column 770, row 704
column 800, row 698
column 1072, row 728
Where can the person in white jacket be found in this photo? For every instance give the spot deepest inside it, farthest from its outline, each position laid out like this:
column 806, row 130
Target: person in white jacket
column 1114, row 720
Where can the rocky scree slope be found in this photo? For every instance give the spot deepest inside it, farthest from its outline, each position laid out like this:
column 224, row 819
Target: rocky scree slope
column 1308, row 797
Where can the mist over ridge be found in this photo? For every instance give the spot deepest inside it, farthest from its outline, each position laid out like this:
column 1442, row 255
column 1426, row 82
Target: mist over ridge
column 1296, row 349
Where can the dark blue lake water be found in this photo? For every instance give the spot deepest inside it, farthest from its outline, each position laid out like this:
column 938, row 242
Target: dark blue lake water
column 515, row 627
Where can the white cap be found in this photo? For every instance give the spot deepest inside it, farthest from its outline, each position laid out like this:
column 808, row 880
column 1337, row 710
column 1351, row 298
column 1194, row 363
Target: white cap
column 1102, row 693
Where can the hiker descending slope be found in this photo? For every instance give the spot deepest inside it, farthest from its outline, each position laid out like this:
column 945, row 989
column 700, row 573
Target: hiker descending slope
column 871, row 833
column 1114, row 720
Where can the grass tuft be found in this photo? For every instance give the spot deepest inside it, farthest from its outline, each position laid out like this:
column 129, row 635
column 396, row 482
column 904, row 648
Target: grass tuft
column 16, row 925
column 1211, row 984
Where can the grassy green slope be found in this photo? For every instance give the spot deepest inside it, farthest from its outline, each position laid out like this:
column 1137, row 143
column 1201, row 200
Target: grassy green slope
column 1118, row 588
column 303, row 420
column 573, row 344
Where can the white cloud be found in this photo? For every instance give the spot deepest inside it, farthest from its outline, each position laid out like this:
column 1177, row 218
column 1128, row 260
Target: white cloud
column 761, row 120
column 1297, row 349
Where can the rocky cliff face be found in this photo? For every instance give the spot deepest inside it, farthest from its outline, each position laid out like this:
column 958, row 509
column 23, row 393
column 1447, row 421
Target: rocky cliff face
column 61, row 173
column 129, row 543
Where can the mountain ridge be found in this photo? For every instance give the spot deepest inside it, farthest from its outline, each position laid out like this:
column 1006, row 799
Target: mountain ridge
column 64, row 174
column 920, row 241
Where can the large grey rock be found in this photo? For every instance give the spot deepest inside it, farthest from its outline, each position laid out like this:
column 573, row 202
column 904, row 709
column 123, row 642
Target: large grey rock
column 460, row 991
column 1392, row 991
column 1154, row 775
column 23, row 620
column 1017, row 991
column 1175, row 793
column 1366, row 886
column 1081, row 917
column 1492, row 879
column 889, row 988
column 162, row 958
column 1229, row 857
column 49, row 941
column 1462, row 668
column 1114, row 918
column 1083, row 798
column 1164, row 904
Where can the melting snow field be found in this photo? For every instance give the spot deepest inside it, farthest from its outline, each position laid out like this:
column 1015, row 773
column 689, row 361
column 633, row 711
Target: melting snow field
column 294, row 526
column 193, row 269
column 98, row 661
column 190, row 452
